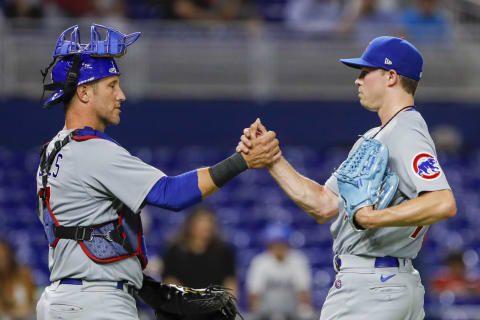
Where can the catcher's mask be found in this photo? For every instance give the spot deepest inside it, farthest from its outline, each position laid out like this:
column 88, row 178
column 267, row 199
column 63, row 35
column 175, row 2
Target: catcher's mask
column 83, row 63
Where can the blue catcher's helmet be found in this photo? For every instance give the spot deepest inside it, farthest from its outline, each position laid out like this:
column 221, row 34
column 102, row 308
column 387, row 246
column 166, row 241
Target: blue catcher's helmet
column 83, row 63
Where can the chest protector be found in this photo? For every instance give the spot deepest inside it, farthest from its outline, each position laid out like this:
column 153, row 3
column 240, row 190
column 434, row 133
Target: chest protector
column 103, row 243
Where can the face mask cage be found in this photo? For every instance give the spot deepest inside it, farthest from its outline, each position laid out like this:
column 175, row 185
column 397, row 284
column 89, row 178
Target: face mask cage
column 114, row 44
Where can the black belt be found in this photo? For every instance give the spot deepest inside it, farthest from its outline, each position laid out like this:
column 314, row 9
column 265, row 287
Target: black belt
column 122, row 285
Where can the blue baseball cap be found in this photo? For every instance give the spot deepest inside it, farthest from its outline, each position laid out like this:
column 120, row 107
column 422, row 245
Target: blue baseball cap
column 390, row 53
column 91, row 69
column 277, row 232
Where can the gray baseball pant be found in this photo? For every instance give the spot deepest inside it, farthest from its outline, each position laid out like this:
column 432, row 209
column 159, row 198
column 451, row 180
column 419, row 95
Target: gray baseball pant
column 363, row 292
column 92, row 300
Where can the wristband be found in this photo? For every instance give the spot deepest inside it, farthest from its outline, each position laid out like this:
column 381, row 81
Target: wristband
column 227, row 169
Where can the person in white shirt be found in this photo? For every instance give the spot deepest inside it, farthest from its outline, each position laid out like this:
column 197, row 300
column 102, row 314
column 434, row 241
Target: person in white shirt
column 278, row 279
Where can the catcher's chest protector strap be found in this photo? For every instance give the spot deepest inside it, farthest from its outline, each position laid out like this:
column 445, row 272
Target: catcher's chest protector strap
column 108, row 242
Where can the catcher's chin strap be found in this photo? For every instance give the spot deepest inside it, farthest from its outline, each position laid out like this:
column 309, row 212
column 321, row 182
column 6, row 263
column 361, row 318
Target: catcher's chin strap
column 44, row 72
column 69, row 84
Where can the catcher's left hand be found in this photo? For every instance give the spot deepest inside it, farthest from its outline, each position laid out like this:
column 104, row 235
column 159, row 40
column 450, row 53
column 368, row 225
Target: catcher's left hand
column 172, row 302
column 363, row 179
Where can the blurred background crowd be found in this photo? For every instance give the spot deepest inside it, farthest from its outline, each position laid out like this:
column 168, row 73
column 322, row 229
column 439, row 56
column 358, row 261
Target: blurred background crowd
column 420, row 20
column 202, row 71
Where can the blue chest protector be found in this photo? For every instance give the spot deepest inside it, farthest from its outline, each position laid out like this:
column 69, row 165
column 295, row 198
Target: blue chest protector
column 104, row 243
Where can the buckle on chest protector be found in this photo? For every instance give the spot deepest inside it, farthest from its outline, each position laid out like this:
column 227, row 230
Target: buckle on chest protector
column 82, row 233
column 107, row 236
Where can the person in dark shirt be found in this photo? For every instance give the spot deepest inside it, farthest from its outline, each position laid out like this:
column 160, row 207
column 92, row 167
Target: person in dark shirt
column 198, row 257
column 203, row 10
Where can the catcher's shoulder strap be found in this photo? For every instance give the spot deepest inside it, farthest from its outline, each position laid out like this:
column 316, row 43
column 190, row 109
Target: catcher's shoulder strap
column 47, row 159
column 107, row 242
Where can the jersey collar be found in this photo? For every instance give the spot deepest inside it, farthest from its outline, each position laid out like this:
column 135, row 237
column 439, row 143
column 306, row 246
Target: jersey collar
column 90, row 132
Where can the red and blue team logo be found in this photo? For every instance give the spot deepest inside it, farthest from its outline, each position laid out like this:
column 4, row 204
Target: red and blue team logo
column 338, row 283
column 426, row 166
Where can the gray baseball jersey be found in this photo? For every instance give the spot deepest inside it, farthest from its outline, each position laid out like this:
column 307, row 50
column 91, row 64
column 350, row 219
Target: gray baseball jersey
column 413, row 158
column 89, row 182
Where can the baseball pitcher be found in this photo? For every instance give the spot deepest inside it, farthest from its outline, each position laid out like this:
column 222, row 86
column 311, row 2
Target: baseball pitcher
column 382, row 197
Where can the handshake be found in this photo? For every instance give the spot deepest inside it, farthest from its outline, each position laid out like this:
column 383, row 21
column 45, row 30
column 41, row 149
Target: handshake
column 259, row 147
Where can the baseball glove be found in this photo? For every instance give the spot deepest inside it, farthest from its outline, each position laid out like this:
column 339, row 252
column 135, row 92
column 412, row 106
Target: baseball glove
column 363, row 179
column 172, row 302
column 387, row 190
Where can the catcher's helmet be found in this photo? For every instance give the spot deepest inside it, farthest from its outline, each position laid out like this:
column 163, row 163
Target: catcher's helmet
column 90, row 69
column 82, row 63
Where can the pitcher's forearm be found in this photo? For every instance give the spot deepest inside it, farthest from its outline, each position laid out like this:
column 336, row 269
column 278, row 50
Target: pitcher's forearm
column 310, row 196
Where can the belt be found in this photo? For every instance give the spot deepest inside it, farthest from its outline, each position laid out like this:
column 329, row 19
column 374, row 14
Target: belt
column 352, row 261
column 122, row 285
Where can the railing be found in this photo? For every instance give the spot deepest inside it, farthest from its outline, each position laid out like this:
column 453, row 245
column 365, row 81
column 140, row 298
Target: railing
column 238, row 61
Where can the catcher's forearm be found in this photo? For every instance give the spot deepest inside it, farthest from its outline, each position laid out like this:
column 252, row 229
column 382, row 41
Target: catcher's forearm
column 205, row 183
column 215, row 177
column 313, row 198
column 427, row 209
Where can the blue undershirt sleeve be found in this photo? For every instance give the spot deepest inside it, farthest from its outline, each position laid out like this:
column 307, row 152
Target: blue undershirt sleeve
column 175, row 193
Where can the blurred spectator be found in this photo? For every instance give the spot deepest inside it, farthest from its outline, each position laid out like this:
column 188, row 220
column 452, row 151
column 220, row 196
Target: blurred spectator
column 68, row 8
column 455, row 279
column 17, row 300
column 203, row 10
column 447, row 138
column 367, row 19
column 426, row 23
column 272, row 10
column 111, row 12
column 23, row 8
column 317, row 17
column 198, row 257
column 109, row 8
column 278, row 280
column 147, row 9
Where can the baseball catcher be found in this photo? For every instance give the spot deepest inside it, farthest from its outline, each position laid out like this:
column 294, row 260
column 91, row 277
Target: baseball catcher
column 172, row 302
column 91, row 190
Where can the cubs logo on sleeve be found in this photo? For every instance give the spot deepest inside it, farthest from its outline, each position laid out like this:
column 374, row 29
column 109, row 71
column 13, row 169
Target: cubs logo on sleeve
column 426, row 166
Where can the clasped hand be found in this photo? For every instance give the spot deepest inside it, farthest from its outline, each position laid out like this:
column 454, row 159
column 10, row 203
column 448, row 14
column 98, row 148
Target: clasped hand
column 259, row 147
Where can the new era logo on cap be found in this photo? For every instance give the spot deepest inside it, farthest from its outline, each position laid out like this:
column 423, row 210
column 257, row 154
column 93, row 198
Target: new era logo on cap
column 396, row 53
